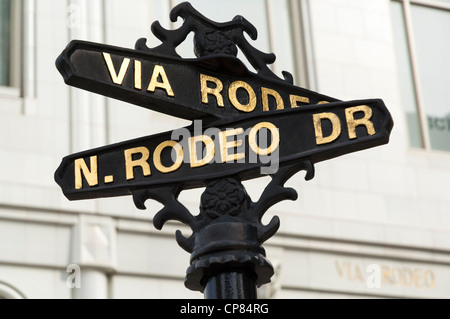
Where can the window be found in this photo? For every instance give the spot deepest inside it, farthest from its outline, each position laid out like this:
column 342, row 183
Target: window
column 5, row 42
column 10, row 44
column 421, row 30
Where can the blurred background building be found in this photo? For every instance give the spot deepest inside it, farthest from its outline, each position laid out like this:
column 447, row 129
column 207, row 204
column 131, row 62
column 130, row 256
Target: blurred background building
column 381, row 212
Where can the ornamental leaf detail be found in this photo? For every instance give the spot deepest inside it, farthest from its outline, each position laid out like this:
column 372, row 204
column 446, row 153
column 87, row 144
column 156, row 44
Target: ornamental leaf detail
column 222, row 197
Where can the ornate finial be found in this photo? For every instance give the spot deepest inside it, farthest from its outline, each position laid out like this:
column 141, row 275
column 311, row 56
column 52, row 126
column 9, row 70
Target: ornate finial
column 212, row 39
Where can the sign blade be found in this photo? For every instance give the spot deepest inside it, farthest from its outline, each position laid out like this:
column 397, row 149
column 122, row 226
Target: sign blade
column 190, row 156
column 214, row 87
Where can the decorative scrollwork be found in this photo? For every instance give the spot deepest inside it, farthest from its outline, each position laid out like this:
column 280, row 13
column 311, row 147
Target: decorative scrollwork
column 225, row 199
column 229, row 229
column 212, row 38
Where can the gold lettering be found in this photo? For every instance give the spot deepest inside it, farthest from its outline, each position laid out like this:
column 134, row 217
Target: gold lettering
column 349, row 271
column 109, row 179
column 385, row 274
column 204, row 79
column 90, row 175
column 165, row 84
column 137, row 75
column 232, row 91
column 401, row 276
column 225, row 145
column 265, row 92
column 430, row 279
column 339, row 267
column 157, row 157
column 418, row 278
column 358, row 275
column 296, row 98
column 275, row 138
column 336, row 124
column 116, row 78
column 352, row 123
column 209, row 150
column 395, row 275
column 408, row 277
column 130, row 164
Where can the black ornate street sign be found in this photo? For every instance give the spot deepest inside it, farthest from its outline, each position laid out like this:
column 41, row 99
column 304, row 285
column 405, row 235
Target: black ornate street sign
column 246, row 125
column 218, row 86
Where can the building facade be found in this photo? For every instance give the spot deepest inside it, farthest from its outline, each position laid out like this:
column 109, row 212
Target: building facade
column 374, row 224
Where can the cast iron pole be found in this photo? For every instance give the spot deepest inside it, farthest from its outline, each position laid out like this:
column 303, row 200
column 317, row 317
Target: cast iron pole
column 232, row 284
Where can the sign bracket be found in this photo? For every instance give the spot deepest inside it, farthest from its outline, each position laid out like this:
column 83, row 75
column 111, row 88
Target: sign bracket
column 228, row 233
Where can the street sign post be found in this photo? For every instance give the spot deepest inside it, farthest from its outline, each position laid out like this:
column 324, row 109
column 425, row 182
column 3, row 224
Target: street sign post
column 245, row 125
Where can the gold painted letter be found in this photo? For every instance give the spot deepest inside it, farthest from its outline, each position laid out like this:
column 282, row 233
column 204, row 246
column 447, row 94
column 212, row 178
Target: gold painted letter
column 275, row 138
column 90, row 175
column 116, row 78
column 137, row 75
column 157, row 157
column 130, row 164
column 204, row 79
column 335, row 123
column 352, row 123
column 232, row 94
column 157, row 72
column 296, row 98
column 265, row 92
column 225, row 145
column 210, row 151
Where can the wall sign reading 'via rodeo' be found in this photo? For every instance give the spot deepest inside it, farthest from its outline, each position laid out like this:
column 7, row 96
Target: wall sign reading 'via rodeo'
column 252, row 124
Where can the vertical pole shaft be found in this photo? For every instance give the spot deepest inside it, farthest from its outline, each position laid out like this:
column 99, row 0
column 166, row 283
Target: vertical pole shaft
column 232, row 284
